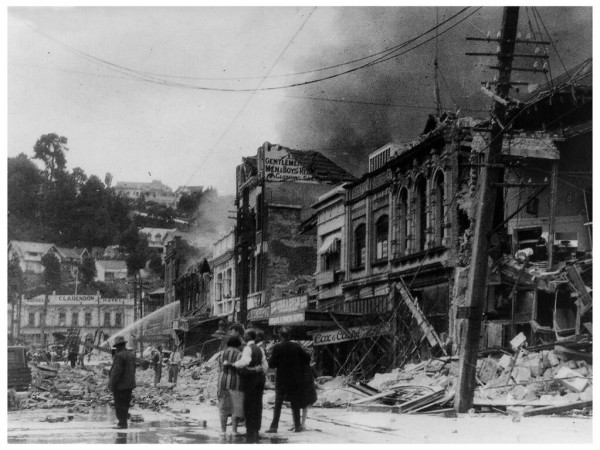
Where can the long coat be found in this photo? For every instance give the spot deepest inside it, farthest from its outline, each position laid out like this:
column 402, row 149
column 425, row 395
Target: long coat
column 291, row 362
column 122, row 372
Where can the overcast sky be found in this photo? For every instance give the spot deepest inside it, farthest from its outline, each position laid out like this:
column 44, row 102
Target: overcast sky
column 142, row 92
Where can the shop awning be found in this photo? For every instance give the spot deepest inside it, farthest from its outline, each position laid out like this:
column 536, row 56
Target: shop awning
column 330, row 244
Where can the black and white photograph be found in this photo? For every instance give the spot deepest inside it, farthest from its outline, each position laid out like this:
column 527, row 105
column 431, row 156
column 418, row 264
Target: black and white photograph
column 299, row 223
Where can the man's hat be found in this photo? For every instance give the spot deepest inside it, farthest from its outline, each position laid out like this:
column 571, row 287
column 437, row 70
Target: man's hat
column 119, row 340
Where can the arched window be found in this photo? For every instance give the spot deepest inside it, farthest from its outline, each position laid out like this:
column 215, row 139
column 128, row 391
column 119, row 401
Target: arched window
column 381, row 238
column 360, row 247
column 439, row 208
column 403, row 222
column 420, row 213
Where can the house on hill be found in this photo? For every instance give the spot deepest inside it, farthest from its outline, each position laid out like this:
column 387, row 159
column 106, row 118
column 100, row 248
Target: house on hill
column 29, row 254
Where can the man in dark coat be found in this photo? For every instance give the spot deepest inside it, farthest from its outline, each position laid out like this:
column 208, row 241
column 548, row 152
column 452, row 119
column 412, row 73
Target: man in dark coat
column 121, row 380
column 292, row 363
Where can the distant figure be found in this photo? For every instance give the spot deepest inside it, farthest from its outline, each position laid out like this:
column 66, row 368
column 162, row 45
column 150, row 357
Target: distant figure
column 121, row 380
column 72, row 356
column 260, row 342
column 157, row 364
column 174, row 364
column 293, row 365
column 81, row 355
column 237, row 330
column 229, row 388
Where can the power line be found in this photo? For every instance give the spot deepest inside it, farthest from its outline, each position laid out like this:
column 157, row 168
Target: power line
column 148, row 77
column 239, row 113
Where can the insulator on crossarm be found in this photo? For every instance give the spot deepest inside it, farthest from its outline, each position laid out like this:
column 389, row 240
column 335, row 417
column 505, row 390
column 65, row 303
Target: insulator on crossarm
column 498, row 35
column 536, row 65
column 519, row 35
column 489, row 34
column 528, row 36
column 495, row 78
column 537, row 50
column 545, row 66
column 498, row 49
column 547, row 50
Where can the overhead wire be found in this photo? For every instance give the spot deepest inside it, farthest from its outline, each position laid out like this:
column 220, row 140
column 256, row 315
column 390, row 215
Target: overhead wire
column 382, row 57
column 239, row 113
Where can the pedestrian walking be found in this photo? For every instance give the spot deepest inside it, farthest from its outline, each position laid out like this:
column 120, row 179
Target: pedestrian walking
column 157, row 364
column 121, row 380
column 252, row 365
column 230, row 395
column 309, row 394
column 72, row 356
column 174, row 364
column 292, row 364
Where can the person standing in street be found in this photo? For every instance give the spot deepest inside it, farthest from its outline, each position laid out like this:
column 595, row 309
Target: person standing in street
column 230, row 395
column 81, row 355
column 121, row 380
column 72, row 356
column 292, row 364
column 252, row 365
column 174, row 364
column 157, row 364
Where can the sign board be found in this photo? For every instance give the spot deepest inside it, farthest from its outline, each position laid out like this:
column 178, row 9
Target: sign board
column 254, row 300
column 280, row 165
column 73, row 299
column 336, row 336
column 259, row 313
column 289, row 305
column 287, row 319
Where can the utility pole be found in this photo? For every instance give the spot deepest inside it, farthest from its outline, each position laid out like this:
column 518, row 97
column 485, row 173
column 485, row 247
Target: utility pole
column 490, row 176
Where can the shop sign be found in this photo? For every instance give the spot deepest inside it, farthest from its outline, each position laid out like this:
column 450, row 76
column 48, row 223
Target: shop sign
column 254, row 300
column 73, row 298
column 287, row 319
column 289, row 305
column 259, row 313
column 279, row 165
column 335, row 336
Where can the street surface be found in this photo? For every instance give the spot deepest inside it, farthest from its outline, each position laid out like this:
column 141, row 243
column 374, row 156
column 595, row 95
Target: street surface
column 324, row 426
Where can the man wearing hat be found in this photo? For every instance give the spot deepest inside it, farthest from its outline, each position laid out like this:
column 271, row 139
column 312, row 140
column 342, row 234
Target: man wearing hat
column 121, row 380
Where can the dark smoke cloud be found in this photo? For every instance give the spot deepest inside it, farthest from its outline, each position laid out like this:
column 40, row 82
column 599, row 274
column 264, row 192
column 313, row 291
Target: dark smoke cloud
column 347, row 132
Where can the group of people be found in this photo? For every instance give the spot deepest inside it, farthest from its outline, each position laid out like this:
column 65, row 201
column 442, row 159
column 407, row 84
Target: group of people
column 242, row 377
column 243, row 366
column 174, row 364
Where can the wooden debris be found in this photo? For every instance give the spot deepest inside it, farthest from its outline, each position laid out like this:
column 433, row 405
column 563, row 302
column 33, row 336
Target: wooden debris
column 556, row 408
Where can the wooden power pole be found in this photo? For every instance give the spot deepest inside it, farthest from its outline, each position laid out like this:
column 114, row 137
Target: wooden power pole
column 490, row 177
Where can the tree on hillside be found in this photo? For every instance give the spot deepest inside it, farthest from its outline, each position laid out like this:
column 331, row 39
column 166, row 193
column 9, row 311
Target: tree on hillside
column 50, row 149
column 15, row 281
column 79, row 177
column 23, row 185
column 88, row 270
column 156, row 265
column 52, row 279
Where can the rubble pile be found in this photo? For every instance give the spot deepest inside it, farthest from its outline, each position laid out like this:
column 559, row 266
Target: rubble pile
column 80, row 389
column 555, row 379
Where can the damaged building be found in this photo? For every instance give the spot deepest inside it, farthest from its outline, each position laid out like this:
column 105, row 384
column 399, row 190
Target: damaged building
column 540, row 276
column 275, row 190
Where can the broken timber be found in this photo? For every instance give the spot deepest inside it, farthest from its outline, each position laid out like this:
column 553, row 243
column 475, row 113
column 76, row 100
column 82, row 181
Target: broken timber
column 556, row 408
column 423, row 323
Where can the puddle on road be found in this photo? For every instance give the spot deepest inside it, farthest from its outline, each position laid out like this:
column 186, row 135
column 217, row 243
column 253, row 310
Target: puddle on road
column 97, row 428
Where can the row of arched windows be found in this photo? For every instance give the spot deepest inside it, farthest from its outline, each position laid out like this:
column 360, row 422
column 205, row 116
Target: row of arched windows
column 420, row 223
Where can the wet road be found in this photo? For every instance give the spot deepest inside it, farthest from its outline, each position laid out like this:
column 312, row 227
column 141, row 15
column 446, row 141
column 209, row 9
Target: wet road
column 97, row 428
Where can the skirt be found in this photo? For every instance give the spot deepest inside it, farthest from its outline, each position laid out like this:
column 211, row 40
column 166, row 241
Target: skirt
column 231, row 402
